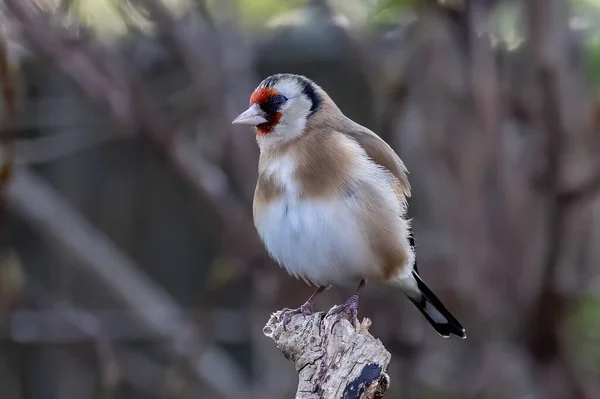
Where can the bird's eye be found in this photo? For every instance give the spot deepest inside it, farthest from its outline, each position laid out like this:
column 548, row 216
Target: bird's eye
column 279, row 99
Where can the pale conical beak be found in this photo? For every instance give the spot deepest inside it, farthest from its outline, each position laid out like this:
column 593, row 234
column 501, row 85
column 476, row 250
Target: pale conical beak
column 252, row 116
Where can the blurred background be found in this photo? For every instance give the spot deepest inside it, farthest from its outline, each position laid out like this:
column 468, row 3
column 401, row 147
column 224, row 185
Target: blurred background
column 129, row 264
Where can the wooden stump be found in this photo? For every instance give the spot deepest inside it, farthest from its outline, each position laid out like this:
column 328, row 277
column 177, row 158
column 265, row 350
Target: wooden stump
column 333, row 358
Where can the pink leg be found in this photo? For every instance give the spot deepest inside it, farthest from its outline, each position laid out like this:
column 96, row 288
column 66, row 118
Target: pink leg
column 350, row 308
column 306, row 309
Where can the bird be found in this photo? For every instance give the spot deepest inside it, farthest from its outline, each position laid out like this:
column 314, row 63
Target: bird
column 330, row 203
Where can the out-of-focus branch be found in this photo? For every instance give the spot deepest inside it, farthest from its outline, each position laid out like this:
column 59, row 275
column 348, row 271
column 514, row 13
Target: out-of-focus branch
column 47, row 326
column 41, row 206
column 8, row 128
column 107, row 81
column 104, row 89
column 107, row 361
column 108, row 366
column 546, row 46
column 200, row 6
column 184, row 35
column 486, row 94
column 52, row 148
column 65, row 6
column 217, row 78
column 548, row 35
column 583, row 192
column 66, row 323
column 333, row 358
column 483, row 68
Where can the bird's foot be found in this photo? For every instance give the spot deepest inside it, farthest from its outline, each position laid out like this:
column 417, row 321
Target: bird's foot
column 348, row 310
column 306, row 309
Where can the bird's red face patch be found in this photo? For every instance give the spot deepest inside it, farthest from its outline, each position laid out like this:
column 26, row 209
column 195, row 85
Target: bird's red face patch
column 267, row 127
column 263, row 97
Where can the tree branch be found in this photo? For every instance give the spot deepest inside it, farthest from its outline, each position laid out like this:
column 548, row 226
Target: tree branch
column 9, row 117
column 41, row 206
column 110, row 83
column 219, row 67
column 333, row 358
column 585, row 191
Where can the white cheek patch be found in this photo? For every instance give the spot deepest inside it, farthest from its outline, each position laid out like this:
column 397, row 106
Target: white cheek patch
column 293, row 117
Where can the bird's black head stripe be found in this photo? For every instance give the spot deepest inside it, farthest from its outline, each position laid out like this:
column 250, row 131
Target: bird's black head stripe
column 308, row 88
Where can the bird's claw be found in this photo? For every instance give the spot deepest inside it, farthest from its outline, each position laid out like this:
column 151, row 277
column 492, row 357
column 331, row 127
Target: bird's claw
column 306, row 310
column 348, row 310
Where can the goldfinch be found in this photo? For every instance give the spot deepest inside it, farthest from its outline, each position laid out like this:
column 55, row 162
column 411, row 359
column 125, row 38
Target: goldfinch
column 330, row 200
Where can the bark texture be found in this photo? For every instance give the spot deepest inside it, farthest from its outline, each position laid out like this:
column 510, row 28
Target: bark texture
column 333, row 358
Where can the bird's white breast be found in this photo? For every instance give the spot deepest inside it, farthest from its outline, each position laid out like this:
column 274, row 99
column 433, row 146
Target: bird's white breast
column 319, row 239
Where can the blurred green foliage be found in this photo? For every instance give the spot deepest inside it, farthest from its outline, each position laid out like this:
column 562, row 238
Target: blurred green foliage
column 585, row 332
column 389, row 11
column 258, row 12
column 107, row 18
column 593, row 59
column 586, row 18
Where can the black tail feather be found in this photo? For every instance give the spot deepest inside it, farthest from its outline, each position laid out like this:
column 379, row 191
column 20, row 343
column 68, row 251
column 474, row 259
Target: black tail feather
column 435, row 312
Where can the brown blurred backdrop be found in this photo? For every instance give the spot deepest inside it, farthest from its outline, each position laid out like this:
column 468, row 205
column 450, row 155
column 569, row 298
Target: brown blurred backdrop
column 129, row 265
